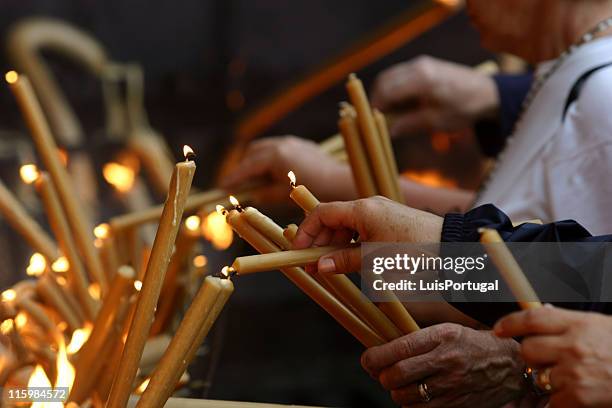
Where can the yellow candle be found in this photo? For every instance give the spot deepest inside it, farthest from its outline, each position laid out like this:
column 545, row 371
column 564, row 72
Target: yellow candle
column 88, row 363
column 59, row 225
column 189, row 334
column 301, row 195
column 48, row 151
column 509, row 269
column 105, row 242
column 371, row 139
column 163, row 245
column 18, row 218
column 360, row 167
column 385, row 140
column 277, row 260
column 266, row 226
column 48, row 290
column 307, row 283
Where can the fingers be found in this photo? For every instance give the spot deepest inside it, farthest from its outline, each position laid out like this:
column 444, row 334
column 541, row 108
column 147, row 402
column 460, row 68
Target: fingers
column 376, row 358
column 542, row 351
column 252, row 166
column 422, row 120
column 396, row 86
column 341, row 261
column 336, row 216
column 406, row 372
column 543, row 320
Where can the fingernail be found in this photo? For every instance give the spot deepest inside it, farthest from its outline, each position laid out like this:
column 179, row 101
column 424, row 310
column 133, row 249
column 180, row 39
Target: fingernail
column 327, row 265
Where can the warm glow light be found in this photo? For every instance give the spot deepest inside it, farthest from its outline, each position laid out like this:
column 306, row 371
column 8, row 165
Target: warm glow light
column 60, row 265
column 101, row 231
column 11, row 77
column 94, row 291
column 226, row 271
column 200, row 261
column 39, row 379
column 20, row 320
column 216, row 230
column 62, row 326
column 137, row 285
column 192, row 223
column 29, row 173
column 221, row 210
column 6, row 326
column 430, row 178
column 234, row 201
column 37, row 265
column 188, row 152
column 119, row 176
column 62, row 280
column 79, row 337
column 292, row 178
column 143, row 386
column 9, row 295
column 98, row 243
column 65, row 370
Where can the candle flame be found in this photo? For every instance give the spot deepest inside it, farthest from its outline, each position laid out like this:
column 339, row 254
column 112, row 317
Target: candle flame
column 39, row 379
column 60, row 265
column 6, row 326
column 221, row 210
column 94, row 291
column 138, row 285
column 216, row 230
column 143, row 386
column 292, row 178
column 9, row 295
column 21, row 320
column 79, row 337
column 226, row 270
column 200, row 261
column 188, row 152
column 65, row 370
column 234, row 201
column 37, row 265
column 119, row 176
column 29, row 173
column 192, row 223
column 102, row 231
column 11, row 77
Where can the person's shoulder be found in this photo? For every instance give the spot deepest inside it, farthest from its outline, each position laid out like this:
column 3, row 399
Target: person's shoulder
column 596, row 93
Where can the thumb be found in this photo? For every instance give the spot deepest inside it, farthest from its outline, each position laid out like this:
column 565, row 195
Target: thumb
column 342, row 261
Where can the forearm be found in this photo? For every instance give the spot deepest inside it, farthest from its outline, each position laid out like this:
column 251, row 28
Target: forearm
column 440, row 201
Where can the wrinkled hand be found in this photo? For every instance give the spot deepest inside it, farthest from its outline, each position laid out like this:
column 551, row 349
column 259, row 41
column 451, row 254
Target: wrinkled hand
column 376, row 219
column 427, row 94
column 271, row 159
column 461, row 367
column 575, row 345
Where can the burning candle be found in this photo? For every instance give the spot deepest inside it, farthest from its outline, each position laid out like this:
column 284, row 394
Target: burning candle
column 307, row 283
column 161, row 253
column 267, row 227
column 105, row 242
column 358, row 159
column 47, row 149
column 371, row 139
column 199, row 318
column 59, row 225
column 301, row 195
column 267, row 262
column 509, row 269
column 18, row 218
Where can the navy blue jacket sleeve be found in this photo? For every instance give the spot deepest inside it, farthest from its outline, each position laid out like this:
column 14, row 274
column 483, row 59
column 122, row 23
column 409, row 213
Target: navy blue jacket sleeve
column 492, row 133
column 464, row 228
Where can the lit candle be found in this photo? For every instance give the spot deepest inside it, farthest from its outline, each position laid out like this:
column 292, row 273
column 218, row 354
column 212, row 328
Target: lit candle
column 307, row 284
column 385, row 140
column 509, row 269
column 360, row 167
column 301, row 195
column 371, row 139
column 47, row 149
column 88, row 363
column 18, row 218
column 267, row 262
column 266, row 226
column 345, row 289
column 161, row 253
column 194, row 327
column 105, row 242
column 59, row 225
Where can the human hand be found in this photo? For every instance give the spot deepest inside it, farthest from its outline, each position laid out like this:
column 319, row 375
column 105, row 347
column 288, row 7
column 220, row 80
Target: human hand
column 461, row 367
column 376, row 219
column 428, row 94
column 575, row 346
column 271, row 159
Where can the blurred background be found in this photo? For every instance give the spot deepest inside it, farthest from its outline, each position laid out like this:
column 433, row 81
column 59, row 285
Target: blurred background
column 211, row 67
